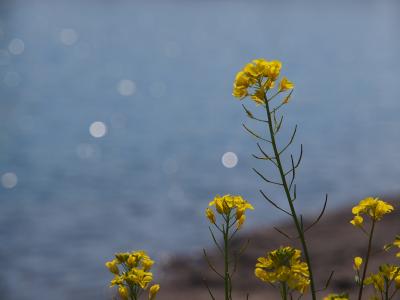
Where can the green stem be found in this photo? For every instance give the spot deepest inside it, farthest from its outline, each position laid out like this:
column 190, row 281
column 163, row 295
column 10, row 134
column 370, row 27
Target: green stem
column 283, row 291
column 289, row 198
column 360, row 291
column 226, row 259
column 386, row 289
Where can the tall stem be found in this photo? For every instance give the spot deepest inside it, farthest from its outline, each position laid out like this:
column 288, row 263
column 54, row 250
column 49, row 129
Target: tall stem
column 283, row 291
column 226, row 259
column 386, row 289
column 289, row 198
column 360, row 291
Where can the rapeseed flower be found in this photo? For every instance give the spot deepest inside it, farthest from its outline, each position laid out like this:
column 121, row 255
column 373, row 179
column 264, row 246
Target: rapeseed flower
column 357, row 263
column 285, row 85
column 257, row 77
column 372, row 207
column 123, row 292
column 112, row 266
column 153, row 291
column 383, row 279
column 210, row 215
column 132, row 274
column 228, row 206
column 283, row 265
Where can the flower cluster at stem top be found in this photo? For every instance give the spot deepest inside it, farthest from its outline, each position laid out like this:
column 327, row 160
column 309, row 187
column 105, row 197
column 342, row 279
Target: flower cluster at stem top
column 257, row 77
column 132, row 274
column 226, row 205
column 386, row 275
column 372, row 207
column 283, row 265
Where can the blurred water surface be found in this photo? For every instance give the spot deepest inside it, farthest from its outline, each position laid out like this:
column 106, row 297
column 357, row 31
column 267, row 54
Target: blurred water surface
column 157, row 77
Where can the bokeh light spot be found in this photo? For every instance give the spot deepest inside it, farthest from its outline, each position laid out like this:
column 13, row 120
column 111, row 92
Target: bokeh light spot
column 229, row 160
column 16, row 46
column 126, row 87
column 9, row 180
column 98, row 129
column 68, row 36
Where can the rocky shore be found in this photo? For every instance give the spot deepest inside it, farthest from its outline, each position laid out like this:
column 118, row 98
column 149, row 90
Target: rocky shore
column 333, row 243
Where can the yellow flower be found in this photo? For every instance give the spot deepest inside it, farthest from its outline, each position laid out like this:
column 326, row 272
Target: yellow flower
column 147, row 264
column 285, row 85
column 241, row 84
column 284, row 265
column 227, row 203
column 259, row 97
column 257, row 77
column 210, row 215
column 153, row 291
column 112, row 266
column 357, row 221
column 134, row 273
column 239, row 92
column 256, row 69
column 116, row 281
column 123, row 292
column 131, row 261
column 240, row 221
column 357, row 263
column 273, row 69
column 139, row 277
column 218, row 202
column 373, row 207
column 387, row 273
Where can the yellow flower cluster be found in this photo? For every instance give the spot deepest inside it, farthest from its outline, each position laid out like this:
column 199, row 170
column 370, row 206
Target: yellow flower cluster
column 283, row 265
column 228, row 204
column 337, row 297
column 389, row 273
column 131, row 270
column 373, row 207
column 257, row 77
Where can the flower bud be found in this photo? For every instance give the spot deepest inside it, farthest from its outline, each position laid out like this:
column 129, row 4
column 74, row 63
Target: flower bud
column 153, row 291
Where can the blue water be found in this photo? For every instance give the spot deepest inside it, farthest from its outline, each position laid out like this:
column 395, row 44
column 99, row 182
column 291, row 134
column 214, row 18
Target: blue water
column 146, row 182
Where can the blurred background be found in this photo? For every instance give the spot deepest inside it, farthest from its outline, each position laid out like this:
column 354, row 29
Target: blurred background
column 118, row 125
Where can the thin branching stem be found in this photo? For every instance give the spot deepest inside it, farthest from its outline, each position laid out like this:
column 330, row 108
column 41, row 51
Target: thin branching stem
column 210, row 264
column 227, row 281
column 360, row 291
column 274, row 204
column 289, row 197
column 255, row 134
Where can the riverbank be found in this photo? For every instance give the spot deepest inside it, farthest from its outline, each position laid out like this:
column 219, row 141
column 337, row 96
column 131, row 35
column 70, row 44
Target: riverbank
column 333, row 244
